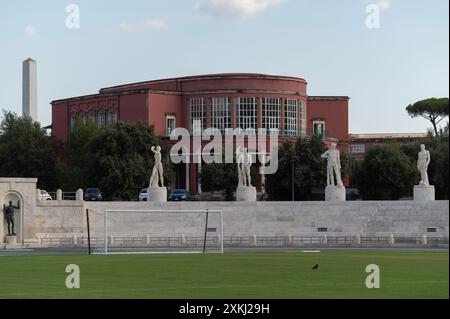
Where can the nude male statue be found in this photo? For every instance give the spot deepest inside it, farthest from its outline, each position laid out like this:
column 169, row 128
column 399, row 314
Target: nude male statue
column 333, row 166
column 157, row 173
column 244, row 168
column 422, row 165
column 9, row 213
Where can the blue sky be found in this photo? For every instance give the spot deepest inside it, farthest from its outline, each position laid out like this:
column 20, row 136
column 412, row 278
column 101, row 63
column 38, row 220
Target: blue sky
column 326, row 42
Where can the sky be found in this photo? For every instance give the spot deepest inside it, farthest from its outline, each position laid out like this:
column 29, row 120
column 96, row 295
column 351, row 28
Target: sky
column 335, row 45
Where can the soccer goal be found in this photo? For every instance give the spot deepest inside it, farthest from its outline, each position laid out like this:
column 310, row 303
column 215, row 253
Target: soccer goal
column 162, row 231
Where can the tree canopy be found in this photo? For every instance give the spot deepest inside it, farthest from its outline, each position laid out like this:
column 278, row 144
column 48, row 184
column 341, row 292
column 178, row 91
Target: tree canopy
column 121, row 159
column 434, row 110
column 304, row 160
column 26, row 150
column 386, row 174
column 219, row 177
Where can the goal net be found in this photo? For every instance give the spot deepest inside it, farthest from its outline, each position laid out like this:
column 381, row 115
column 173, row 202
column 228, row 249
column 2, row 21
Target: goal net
column 161, row 231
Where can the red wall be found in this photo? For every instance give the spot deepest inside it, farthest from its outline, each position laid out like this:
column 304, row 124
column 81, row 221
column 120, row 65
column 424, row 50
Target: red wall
column 159, row 106
column 335, row 114
column 133, row 108
column 219, row 82
column 60, row 118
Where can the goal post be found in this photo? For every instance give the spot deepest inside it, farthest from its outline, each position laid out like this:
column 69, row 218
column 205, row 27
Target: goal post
column 162, row 231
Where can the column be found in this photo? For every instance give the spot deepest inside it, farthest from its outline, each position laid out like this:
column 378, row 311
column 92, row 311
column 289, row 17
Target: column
column 208, row 111
column 233, row 112
column 260, row 112
column 282, row 115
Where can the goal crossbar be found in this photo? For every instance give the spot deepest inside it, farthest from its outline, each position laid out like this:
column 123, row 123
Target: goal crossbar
column 168, row 211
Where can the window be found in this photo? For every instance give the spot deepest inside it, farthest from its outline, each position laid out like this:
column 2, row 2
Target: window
column 170, row 124
column 91, row 117
column 291, row 117
column 101, row 119
column 73, row 120
column 431, row 230
column 197, row 115
column 303, row 117
column 358, row 149
column 322, row 229
column 271, row 115
column 319, row 128
column 247, row 113
column 112, row 117
column 221, row 114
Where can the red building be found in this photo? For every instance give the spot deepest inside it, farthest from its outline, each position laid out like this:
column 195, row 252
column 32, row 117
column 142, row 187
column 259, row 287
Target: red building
column 223, row 101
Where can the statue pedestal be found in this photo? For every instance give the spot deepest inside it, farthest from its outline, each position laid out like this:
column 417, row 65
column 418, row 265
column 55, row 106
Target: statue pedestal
column 335, row 194
column 246, row 194
column 157, row 194
column 423, row 193
column 10, row 243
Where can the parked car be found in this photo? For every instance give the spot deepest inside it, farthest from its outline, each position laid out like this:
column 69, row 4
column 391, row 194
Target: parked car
column 143, row 195
column 45, row 195
column 93, row 195
column 179, row 195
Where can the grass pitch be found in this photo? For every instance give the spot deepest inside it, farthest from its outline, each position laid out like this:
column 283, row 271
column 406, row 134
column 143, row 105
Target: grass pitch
column 232, row 275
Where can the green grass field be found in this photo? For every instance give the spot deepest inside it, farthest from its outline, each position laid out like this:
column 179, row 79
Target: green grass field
column 232, row 275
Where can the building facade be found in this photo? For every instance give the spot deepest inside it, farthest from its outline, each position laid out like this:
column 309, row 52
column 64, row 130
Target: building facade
column 278, row 104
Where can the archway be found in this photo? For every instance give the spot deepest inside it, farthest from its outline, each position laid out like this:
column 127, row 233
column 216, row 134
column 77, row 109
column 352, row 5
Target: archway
column 18, row 216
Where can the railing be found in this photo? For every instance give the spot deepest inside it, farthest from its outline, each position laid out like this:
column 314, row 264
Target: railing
column 65, row 195
column 272, row 241
column 408, row 240
column 237, row 240
column 341, row 240
column 246, row 241
column 375, row 240
column 302, row 240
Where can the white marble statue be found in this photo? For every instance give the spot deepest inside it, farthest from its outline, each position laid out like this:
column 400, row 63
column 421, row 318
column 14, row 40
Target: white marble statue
column 157, row 177
column 244, row 162
column 422, row 165
column 334, row 166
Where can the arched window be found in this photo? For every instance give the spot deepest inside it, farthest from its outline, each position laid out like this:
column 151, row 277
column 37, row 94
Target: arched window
column 101, row 118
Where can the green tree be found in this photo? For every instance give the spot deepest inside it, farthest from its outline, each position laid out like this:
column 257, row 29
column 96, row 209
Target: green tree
column 310, row 170
column 386, row 174
column 434, row 110
column 73, row 170
column 219, row 177
column 304, row 161
column 26, row 150
column 279, row 185
column 121, row 159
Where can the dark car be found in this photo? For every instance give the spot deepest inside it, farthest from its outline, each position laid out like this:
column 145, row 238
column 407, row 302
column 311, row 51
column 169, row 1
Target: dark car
column 178, row 195
column 93, row 195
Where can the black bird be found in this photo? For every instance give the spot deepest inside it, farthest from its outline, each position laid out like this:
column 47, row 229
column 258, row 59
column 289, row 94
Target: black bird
column 315, row 267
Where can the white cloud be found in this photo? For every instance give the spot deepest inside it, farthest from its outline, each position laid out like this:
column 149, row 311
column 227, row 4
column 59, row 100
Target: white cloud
column 31, row 30
column 235, row 8
column 384, row 4
column 144, row 26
